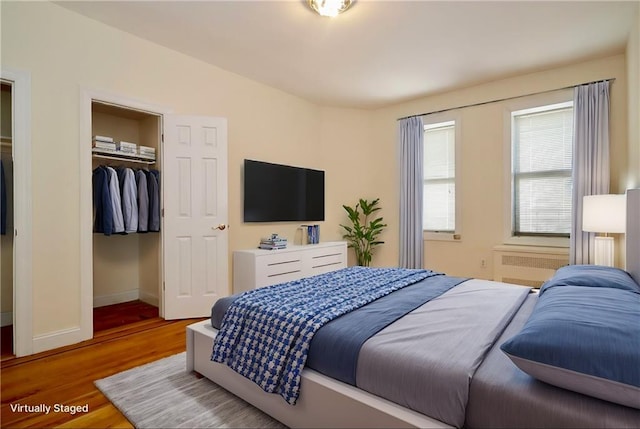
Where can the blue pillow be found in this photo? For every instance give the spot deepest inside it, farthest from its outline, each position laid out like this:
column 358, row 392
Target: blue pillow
column 584, row 339
column 592, row 276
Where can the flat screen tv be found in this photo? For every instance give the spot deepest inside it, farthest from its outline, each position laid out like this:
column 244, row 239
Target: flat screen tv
column 281, row 193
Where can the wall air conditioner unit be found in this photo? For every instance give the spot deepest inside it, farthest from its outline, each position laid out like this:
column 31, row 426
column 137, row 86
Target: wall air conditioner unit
column 527, row 265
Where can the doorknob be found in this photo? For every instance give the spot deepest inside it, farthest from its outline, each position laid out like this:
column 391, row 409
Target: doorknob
column 221, row 227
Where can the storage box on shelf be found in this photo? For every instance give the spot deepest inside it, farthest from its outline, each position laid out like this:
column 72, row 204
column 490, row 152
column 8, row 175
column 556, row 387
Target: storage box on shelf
column 126, row 147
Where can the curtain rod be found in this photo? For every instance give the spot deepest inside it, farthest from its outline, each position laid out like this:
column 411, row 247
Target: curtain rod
column 506, row 98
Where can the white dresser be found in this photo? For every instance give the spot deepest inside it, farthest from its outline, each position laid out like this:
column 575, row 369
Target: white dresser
column 256, row 268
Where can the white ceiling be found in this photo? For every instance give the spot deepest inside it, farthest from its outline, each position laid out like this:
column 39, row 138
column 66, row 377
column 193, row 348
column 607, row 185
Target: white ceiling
column 378, row 52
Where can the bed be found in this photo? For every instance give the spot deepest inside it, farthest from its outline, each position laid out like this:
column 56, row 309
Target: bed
column 466, row 368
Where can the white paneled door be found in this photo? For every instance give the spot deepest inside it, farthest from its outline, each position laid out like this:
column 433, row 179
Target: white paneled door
column 195, row 215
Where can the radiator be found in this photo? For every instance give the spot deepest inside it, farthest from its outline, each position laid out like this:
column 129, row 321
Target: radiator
column 525, row 265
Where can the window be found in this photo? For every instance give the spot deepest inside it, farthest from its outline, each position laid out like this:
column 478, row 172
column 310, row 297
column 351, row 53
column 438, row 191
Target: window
column 542, row 140
column 439, row 199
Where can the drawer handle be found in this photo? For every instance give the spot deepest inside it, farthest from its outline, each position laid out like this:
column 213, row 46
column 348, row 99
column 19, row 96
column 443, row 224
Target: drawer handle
column 327, row 265
column 273, row 264
column 328, row 255
column 283, row 274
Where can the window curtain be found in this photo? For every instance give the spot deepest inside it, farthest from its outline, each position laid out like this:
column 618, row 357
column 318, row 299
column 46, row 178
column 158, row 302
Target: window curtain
column 411, row 139
column 591, row 160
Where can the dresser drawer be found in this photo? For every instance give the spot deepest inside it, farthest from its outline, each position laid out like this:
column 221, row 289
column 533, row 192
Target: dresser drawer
column 324, row 252
column 278, row 268
column 280, row 277
column 326, row 259
column 327, row 266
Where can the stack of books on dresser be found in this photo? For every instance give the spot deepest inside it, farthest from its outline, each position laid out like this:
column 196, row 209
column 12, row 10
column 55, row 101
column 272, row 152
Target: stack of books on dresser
column 272, row 243
column 103, row 144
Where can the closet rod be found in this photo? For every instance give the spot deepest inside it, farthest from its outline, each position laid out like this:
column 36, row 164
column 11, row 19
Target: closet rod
column 506, row 98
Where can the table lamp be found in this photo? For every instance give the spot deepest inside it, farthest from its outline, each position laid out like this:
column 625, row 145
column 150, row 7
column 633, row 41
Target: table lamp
column 604, row 214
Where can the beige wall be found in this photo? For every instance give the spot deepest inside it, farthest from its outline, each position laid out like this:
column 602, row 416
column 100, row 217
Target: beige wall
column 65, row 52
column 633, row 73
column 483, row 179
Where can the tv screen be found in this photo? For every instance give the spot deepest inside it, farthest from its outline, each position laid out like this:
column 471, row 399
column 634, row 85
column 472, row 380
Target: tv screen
column 279, row 193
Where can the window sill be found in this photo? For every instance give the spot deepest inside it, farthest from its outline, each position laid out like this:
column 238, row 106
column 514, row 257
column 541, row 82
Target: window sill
column 441, row 236
column 538, row 241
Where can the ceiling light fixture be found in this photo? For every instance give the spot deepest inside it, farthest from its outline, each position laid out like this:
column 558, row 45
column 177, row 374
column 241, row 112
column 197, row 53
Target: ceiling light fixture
column 329, row 7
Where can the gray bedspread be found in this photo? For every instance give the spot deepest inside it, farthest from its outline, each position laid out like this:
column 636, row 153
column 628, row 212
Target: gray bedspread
column 425, row 361
column 502, row 396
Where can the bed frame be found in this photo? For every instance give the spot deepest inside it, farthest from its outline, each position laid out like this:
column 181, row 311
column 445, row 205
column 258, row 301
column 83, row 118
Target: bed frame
column 325, row 402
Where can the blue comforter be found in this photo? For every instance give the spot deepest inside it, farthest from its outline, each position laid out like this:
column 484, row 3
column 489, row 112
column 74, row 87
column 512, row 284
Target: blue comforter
column 266, row 333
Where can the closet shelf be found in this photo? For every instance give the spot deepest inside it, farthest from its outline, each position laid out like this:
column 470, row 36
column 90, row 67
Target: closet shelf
column 122, row 157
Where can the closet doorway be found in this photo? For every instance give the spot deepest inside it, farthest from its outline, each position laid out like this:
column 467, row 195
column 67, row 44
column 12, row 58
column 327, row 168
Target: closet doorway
column 184, row 267
column 15, row 248
column 127, row 253
column 6, row 233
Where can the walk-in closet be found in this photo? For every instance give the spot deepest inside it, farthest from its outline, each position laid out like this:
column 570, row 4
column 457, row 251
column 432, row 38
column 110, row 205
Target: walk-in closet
column 126, row 240
column 6, row 228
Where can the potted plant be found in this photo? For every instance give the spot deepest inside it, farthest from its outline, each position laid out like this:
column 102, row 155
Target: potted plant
column 363, row 233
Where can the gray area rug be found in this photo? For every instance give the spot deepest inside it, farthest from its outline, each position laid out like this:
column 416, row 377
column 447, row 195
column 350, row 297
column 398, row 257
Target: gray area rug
column 162, row 394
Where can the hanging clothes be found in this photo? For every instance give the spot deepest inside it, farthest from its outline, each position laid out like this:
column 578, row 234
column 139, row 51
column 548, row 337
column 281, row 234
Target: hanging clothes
column 126, row 200
column 129, row 199
column 116, row 203
column 143, row 201
column 154, row 200
column 120, row 171
column 157, row 174
column 3, row 201
column 102, row 202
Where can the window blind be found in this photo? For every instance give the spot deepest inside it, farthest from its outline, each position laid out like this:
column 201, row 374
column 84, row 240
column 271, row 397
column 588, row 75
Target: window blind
column 542, row 160
column 439, row 199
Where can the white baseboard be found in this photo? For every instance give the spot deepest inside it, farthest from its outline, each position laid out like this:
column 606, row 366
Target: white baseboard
column 6, row 318
column 116, row 298
column 61, row 338
column 65, row 337
column 149, row 298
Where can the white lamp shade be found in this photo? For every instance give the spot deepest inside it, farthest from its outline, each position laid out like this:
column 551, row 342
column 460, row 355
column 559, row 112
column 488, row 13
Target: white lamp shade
column 604, row 213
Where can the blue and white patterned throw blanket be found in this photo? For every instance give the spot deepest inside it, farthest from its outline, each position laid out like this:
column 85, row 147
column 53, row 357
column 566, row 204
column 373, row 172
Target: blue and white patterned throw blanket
column 266, row 332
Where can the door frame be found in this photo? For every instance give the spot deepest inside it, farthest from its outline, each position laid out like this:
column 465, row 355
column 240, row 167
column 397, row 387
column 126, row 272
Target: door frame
column 22, row 209
column 87, row 96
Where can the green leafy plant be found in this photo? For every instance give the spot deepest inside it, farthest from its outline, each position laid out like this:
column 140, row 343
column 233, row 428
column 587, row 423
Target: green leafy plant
column 363, row 233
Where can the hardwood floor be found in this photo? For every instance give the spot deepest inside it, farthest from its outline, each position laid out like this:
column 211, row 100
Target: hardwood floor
column 65, row 376
column 111, row 316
